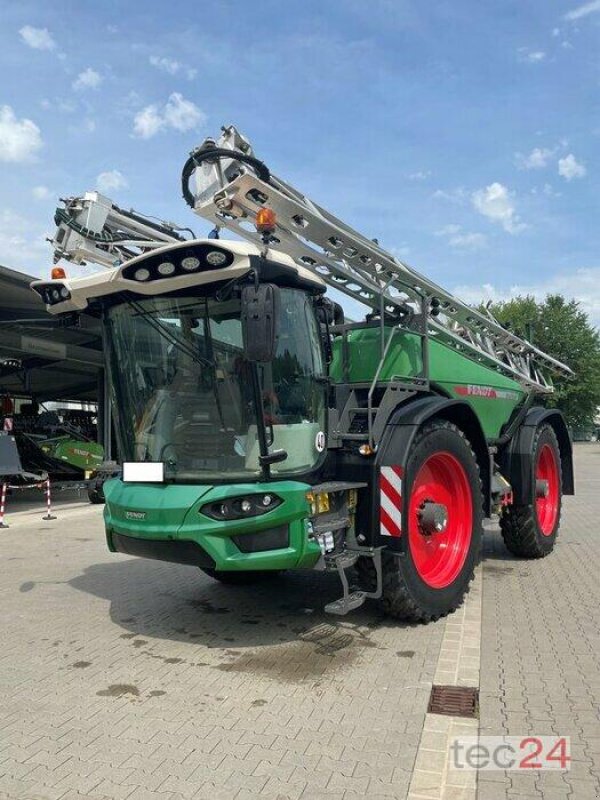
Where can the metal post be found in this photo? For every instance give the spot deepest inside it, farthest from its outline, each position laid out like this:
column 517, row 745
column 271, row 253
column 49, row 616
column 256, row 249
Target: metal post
column 49, row 514
column 2, row 505
column 104, row 415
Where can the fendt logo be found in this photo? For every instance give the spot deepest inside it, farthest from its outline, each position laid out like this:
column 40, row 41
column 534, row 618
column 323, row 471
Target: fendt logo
column 135, row 515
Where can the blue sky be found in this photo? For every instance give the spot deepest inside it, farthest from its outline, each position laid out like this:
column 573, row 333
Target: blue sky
column 463, row 135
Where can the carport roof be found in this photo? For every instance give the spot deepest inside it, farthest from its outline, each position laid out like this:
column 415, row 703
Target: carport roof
column 58, row 361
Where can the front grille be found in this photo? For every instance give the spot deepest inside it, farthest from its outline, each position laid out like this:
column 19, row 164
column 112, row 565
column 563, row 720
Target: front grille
column 271, row 539
column 183, row 552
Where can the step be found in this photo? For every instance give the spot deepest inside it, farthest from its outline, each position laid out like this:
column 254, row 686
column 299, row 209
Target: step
column 343, row 560
column 344, row 605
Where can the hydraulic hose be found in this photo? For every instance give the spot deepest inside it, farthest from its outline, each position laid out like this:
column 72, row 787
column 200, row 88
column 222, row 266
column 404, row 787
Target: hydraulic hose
column 198, row 157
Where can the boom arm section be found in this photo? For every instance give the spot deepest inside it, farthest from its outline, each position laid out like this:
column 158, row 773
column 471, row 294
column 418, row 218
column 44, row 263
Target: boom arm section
column 91, row 228
column 231, row 185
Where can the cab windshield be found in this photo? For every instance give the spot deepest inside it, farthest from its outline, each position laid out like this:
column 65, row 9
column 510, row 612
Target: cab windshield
column 184, row 394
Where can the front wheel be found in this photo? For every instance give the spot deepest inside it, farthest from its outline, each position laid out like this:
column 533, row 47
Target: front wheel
column 241, row 578
column 530, row 530
column 442, row 529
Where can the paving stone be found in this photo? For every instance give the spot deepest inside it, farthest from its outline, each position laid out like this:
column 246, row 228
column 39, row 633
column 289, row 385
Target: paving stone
column 540, row 631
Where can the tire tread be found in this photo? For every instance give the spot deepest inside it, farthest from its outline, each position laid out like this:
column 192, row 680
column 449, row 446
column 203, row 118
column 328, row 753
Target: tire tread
column 518, row 523
column 397, row 600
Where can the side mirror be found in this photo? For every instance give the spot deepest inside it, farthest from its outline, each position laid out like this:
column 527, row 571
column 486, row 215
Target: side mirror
column 260, row 317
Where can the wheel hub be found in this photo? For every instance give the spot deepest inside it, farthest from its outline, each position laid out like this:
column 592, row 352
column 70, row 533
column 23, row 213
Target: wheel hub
column 542, row 488
column 432, row 517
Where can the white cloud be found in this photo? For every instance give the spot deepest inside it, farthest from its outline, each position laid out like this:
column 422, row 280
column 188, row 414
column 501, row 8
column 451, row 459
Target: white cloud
column 111, row 181
column 420, row 175
column 457, row 196
column 88, row 79
column 169, row 65
column 20, row 139
column 41, row 192
column 581, row 284
column 22, row 243
column 64, row 106
column 177, row 113
column 582, row 11
column 546, row 189
column 569, row 168
column 147, row 122
column 83, row 126
column 182, row 114
column 462, row 240
column 497, row 204
column 555, row 32
column 537, row 159
column 172, row 66
column 38, row 38
column 531, row 56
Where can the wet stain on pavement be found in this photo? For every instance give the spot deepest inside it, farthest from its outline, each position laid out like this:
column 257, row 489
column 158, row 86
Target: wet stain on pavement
column 119, row 690
column 405, row 653
column 498, row 569
column 156, row 693
column 27, row 586
column 208, row 608
column 81, row 664
column 166, row 659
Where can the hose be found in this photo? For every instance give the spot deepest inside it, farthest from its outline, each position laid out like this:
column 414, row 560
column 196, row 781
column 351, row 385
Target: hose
column 198, row 157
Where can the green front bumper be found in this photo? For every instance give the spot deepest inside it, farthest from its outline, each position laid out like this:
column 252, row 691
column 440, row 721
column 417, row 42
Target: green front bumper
column 162, row 521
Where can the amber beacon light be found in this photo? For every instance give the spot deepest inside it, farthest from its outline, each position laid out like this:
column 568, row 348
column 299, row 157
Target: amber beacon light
column 266, row 220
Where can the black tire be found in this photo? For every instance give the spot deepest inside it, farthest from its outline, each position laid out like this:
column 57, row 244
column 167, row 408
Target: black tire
column 406, row 595
column 241, row 578
column 96, row 497
column 520, row 525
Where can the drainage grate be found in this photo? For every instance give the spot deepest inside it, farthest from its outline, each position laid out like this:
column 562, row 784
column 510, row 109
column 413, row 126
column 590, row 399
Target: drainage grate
column 456, row 701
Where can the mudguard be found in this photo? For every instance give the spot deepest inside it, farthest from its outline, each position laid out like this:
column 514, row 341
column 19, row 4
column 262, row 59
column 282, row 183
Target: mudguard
column 393, row 453
column 516, row 461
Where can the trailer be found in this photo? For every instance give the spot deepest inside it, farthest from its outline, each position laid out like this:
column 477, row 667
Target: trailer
column 261, row 431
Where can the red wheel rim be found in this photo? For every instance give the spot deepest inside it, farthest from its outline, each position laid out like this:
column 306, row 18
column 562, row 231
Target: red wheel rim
column 439, row 557
column 547, row 507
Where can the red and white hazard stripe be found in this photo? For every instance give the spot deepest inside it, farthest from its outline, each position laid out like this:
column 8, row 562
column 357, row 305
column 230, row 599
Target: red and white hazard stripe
column 390, row 501
column 2, row 506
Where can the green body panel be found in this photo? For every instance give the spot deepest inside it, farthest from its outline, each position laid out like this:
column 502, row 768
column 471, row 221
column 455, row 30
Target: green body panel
column 492, row 396
column 172, row 512
column 81, row 454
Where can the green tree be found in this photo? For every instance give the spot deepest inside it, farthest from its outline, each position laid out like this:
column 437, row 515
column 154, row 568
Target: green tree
column 560, row 328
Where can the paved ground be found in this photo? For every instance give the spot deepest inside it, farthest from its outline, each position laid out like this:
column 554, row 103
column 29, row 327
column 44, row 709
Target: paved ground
column 540, row 648
column 124, row 678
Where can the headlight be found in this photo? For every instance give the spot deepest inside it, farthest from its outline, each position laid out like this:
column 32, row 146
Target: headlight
column 249, row 505
column 215, row 258
column 166, row 268
column 141, row 274
column 190, row 263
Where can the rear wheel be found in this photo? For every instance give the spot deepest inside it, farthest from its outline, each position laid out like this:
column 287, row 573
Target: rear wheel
column 443, row 511
column 95, row 496
column 241, row 578
column 530, row 530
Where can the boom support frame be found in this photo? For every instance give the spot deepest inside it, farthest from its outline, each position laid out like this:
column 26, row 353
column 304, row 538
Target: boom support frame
column 231, row 186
